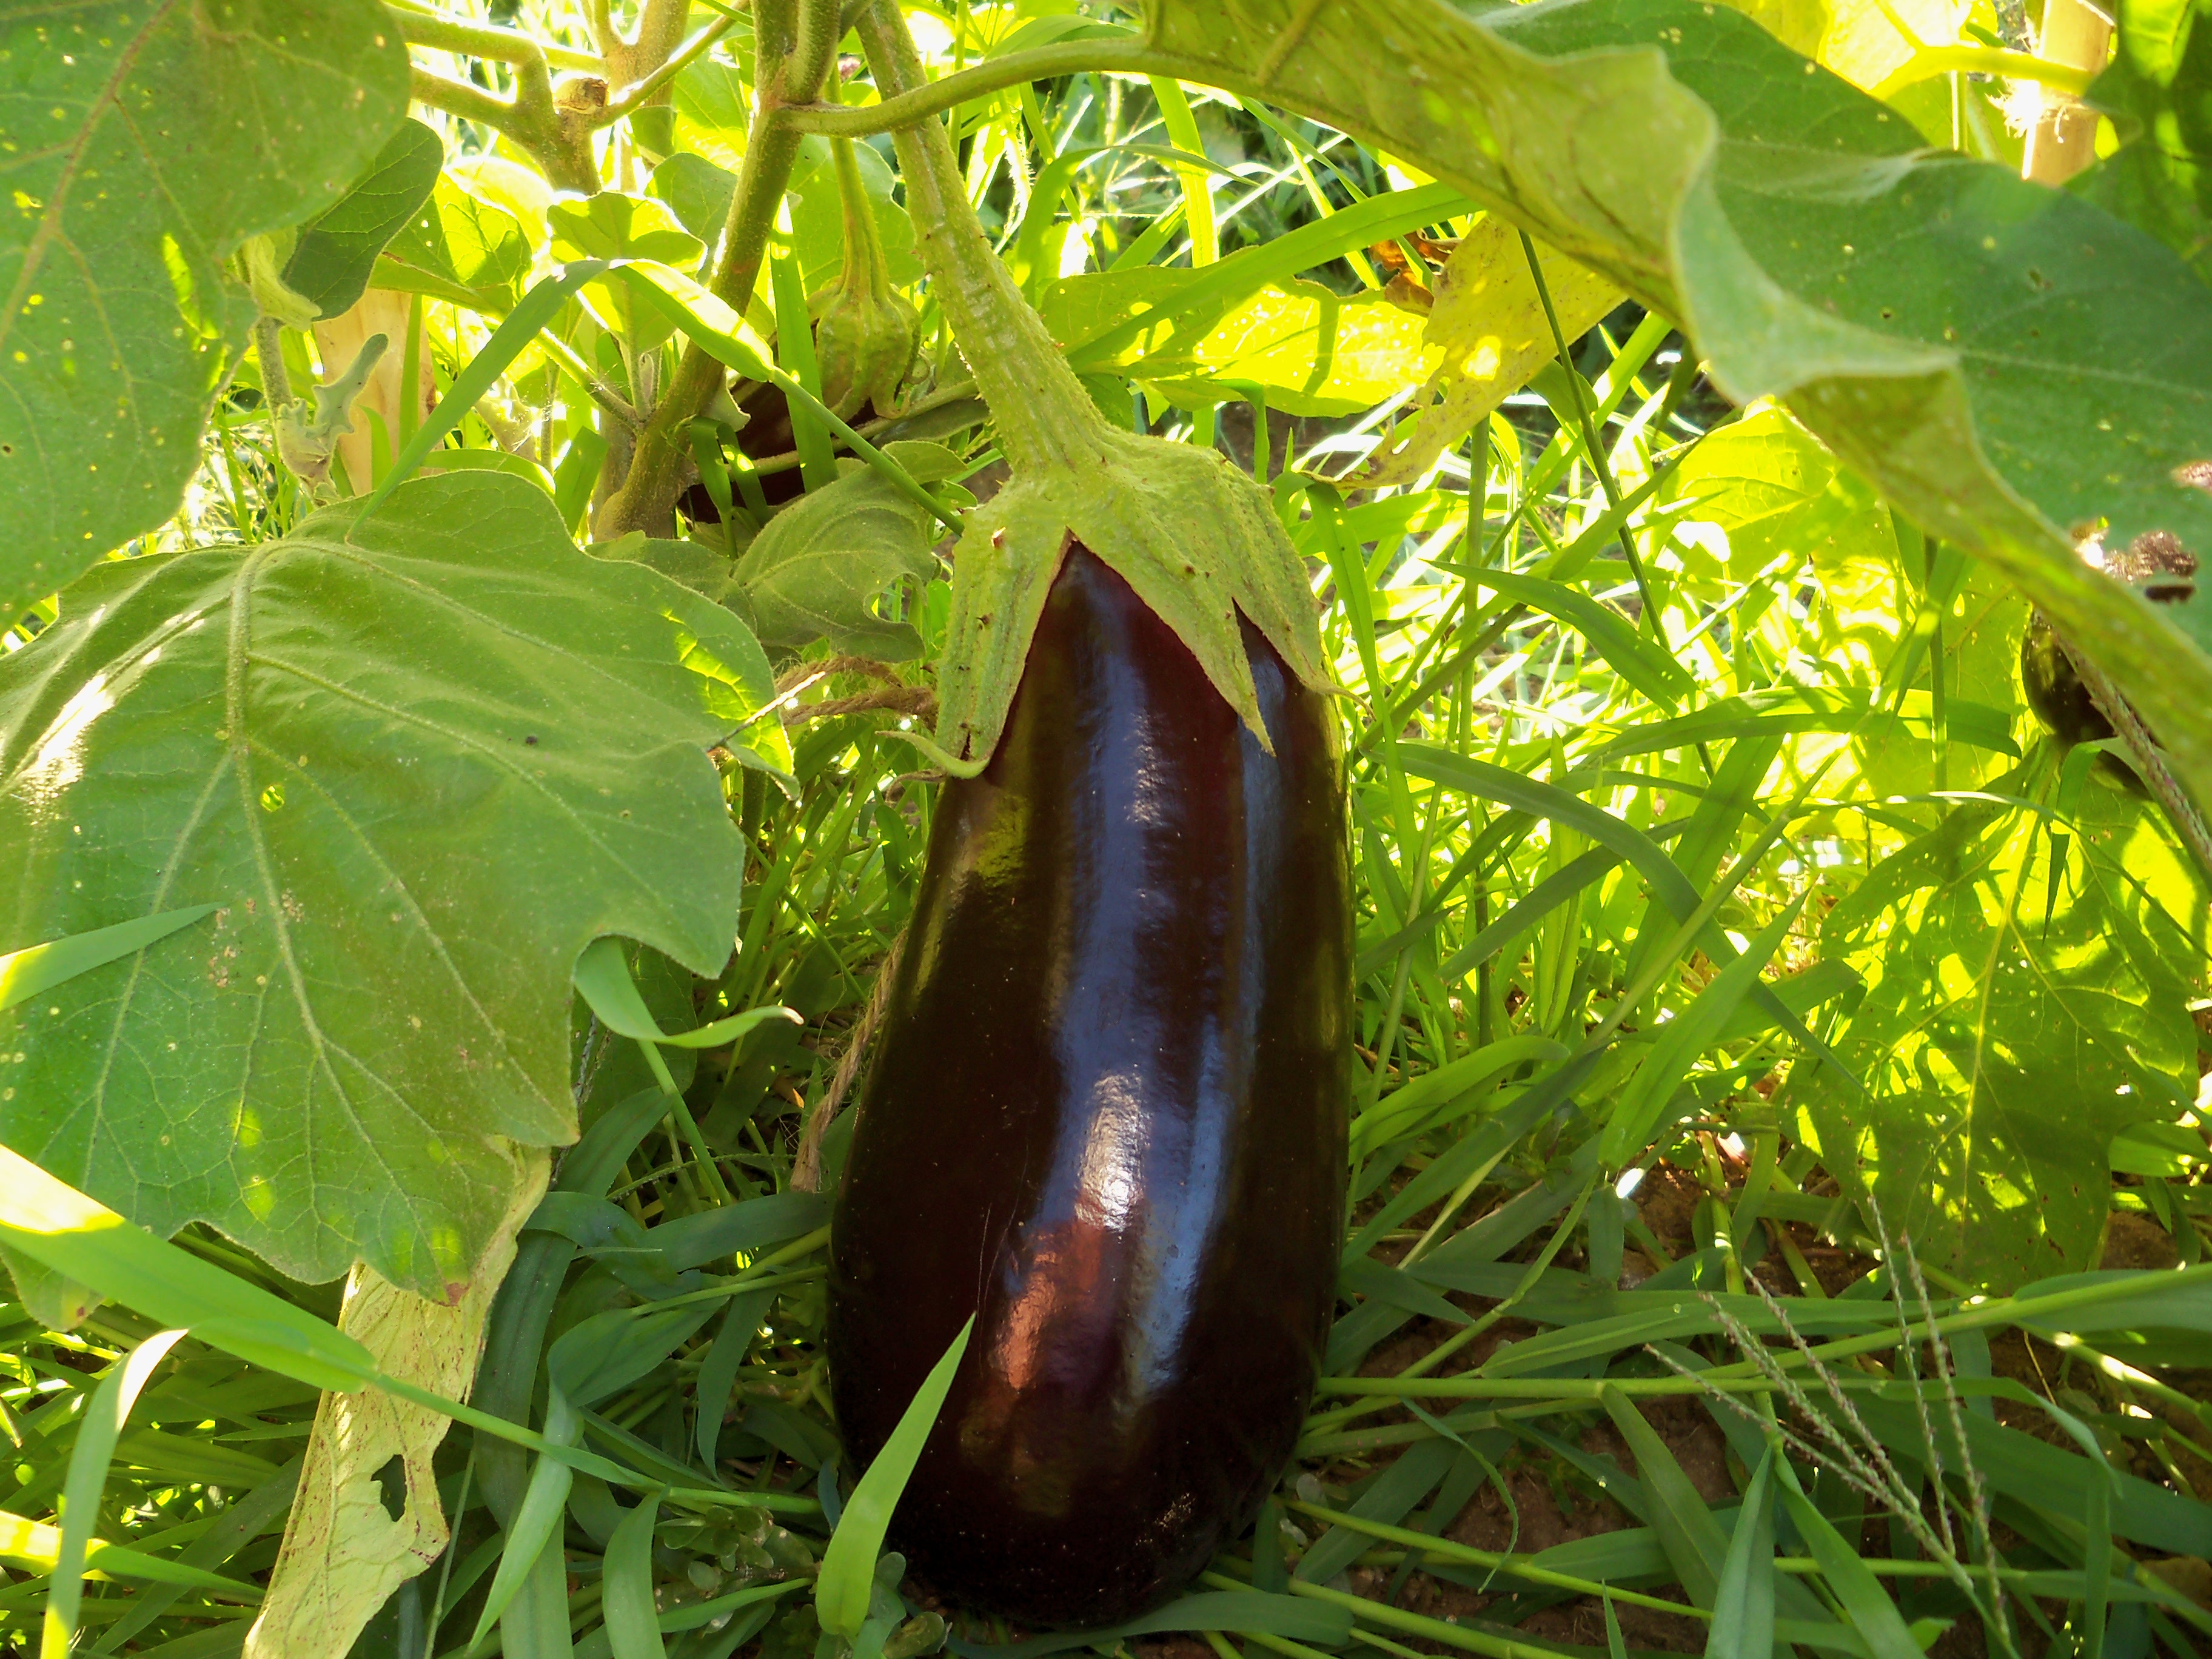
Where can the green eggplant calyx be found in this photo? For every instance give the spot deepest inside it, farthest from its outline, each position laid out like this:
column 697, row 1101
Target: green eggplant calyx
column 1196, row 539
column 865, row 335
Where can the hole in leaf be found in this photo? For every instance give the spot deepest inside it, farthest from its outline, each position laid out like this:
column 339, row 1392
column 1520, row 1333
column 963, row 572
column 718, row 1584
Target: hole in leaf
column 391, row 1486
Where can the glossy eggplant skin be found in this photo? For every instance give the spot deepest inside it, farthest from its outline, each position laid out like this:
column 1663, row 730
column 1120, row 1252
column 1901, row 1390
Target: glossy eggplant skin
column 2054, row 688
column 1105, row 1113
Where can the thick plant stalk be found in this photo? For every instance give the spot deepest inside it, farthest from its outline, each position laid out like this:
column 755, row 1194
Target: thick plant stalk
column 552, row 124
column 797, row 43
column 2065, row 138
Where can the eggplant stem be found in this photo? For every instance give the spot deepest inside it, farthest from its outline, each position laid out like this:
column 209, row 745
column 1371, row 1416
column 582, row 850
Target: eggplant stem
column 1043, row 416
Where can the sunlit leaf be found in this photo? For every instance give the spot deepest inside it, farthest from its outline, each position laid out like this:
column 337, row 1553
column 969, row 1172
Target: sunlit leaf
column 459, row 247
column 147, row 143
column 1785, row 216
column 815, row 572
column 419, row 762
column 1490, row 333
column 2019, row 1014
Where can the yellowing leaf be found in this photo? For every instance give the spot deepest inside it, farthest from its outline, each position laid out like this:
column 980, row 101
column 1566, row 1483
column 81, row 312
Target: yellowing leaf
column 343, row 1552
column 1487, row 336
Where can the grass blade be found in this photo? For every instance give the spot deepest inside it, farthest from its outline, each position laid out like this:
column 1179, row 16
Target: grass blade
column 1695, row 1545
column 1637, row 1107
column 602, row 979
column 36, row 968
column 537, row 1521
column 1634, row 658
column 633, row 1629
column 1865, row 1603
column 1743, row 1606
column 518, row 328
column 55, row 1225
column 849, row 1566
column 96, row 1435
column 35, row 1545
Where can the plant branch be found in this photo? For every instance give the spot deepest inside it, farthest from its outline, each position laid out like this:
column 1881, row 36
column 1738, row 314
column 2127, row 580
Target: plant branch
column 463, row 98
column 643, row 91
column 581, row 372
column 797, row 42
column 1931, row 61
column 554, row 131
column 421, row 26
column 275, row 377
column 918, row 102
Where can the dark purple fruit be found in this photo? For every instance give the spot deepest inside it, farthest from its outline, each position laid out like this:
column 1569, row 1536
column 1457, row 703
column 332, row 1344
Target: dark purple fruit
column 1105, row 1115
column 2054, row 690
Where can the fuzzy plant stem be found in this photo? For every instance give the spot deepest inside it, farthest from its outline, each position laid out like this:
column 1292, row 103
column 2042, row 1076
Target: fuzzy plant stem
column 1044, row 418
column 2142, row 752
column 798, row 42
column 864, row 243
column 269, row 346
column 556, row 137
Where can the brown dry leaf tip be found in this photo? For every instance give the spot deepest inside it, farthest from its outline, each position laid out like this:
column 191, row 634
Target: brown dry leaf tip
column 1391, row 255
column 915, row 700
column 1407, row 295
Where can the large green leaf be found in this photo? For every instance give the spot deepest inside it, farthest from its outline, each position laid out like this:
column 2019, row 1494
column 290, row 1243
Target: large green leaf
column 421, row 761
column 2021, row 1011
column 145, row 141
column 2007, row 363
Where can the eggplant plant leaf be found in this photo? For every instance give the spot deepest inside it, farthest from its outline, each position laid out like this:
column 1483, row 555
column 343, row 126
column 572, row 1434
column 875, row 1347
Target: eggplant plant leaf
column 421, row 760
column 813, row 573
column 2021, row 1011
column 336, row 252
column 2159, row 93
column 147, row 143
column 460, row 247
column 705, row 570
column 1819, row 252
